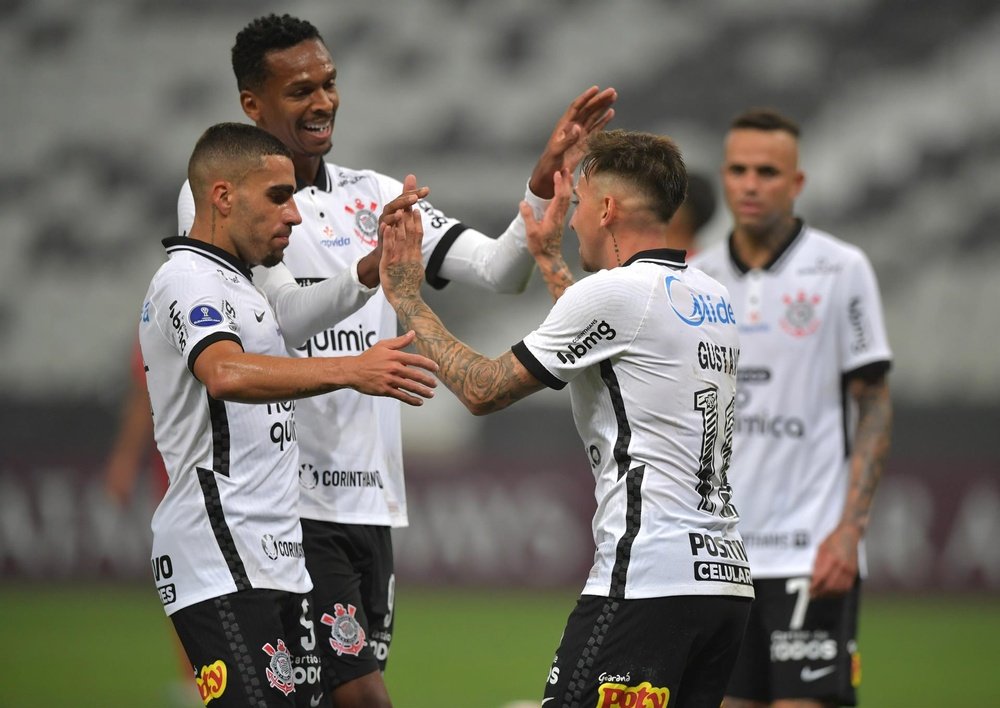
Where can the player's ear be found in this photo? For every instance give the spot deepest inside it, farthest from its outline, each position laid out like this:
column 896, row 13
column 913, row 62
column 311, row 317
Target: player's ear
column 222, row 196
column 609, row 211
column 250, row 104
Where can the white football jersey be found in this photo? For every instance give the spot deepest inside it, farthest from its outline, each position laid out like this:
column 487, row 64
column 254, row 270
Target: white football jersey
column 350, row 445
column 650, row 351
column 808, row 318
column 229, row 519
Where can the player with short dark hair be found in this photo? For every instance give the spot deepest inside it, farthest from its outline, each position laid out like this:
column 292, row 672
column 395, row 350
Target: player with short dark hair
column 649, row 349
column 812, row 425
column 351, row 470
column 227, row 543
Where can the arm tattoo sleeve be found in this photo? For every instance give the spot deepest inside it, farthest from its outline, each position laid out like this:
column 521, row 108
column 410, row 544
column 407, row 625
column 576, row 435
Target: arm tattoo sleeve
column 871, row 448
column 482, row 384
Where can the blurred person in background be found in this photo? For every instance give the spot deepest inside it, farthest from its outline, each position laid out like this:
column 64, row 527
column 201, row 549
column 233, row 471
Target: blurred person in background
column 696, row 211
column 351, row 469
column 227, row 544
column 653, row 385
column 813, row 422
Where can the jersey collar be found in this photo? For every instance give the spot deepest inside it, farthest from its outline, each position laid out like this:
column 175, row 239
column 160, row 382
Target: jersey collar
column 175, row 244
column 321, row 181
column 665, row 256
column 742, row 267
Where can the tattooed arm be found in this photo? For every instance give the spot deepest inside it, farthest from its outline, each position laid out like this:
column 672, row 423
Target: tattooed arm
column 545, row 237
column 836, row 563
column 482, row 384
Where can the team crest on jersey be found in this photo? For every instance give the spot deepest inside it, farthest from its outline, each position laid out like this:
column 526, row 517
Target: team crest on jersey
column 270, row 547
column 279, row 672
column 800, row 314
column 204, row 316
column 308, row 476
column 346, row 634
column 365, row 221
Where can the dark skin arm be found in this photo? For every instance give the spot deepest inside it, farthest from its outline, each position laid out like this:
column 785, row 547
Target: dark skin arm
column 482, row 384
column 588, row 113
column 836, row 565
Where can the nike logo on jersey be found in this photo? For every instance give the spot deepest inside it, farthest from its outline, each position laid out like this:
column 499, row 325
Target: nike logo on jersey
column 811, row 674
column 259, row 315
column 315, row 700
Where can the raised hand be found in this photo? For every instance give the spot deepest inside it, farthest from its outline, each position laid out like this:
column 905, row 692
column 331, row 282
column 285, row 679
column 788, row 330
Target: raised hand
column 401, row 270
column 588, row 113
column 368, row 272
column 544, row 238
column 386, row 370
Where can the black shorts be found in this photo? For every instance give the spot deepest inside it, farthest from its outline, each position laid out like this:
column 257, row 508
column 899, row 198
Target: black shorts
column 353, row 590
column 799, row 648
column 652, row 652
column 253, row 647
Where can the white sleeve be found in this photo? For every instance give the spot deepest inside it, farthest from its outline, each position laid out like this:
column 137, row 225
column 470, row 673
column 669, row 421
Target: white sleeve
column 185, row 209
column 501, row 264
column 302, row 311
column 859, row 316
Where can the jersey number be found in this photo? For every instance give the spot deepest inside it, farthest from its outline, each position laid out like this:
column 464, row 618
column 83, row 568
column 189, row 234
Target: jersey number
column 707, row 402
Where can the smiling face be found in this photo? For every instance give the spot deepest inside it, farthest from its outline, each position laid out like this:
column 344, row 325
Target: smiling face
column 761, row 180
column 263, row 212
column 298, row 100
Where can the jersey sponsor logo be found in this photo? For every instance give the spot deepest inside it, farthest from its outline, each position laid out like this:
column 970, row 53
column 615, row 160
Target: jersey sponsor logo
column 620, row 695
column 286, row 549
column 346, row 634
column 752, row 375
column 204, row 316
column 227, row 276
column 587, row 340
column 340, row 340
column 434, row 217
column 852, row 649
column 179, row 326
column 769, row 426
column 144, row 317
column 809, row 674
column 799, row 645
column 695, row 309
column 716, row 357
column 856, row 318
column 800, row 314
column 212, row 681
column 310, row 478
column 332, row 240
column 793, row 539
column 283, row 432
column 716, row 546
column 279, row 670
column 365, row 221
column 714, row 571
column 820, row 267
column 163, row 569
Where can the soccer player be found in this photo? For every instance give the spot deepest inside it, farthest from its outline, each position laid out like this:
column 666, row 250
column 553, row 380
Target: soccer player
column 227, row 545
column 649, row 348
column 812, row 425
column 351, row 469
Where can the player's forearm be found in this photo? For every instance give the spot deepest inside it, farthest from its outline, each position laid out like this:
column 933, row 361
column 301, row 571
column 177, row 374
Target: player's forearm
column 479, row 382
column 303, row 311
column 871, row 450
column 256, row 378
column 556, row 274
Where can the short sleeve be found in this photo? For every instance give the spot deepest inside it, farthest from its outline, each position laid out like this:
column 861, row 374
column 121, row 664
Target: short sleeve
column 595, row 319
column 863, row 339
column 193, row 312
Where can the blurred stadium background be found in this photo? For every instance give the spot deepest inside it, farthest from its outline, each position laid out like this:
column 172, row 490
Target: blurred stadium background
column 900, row 107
